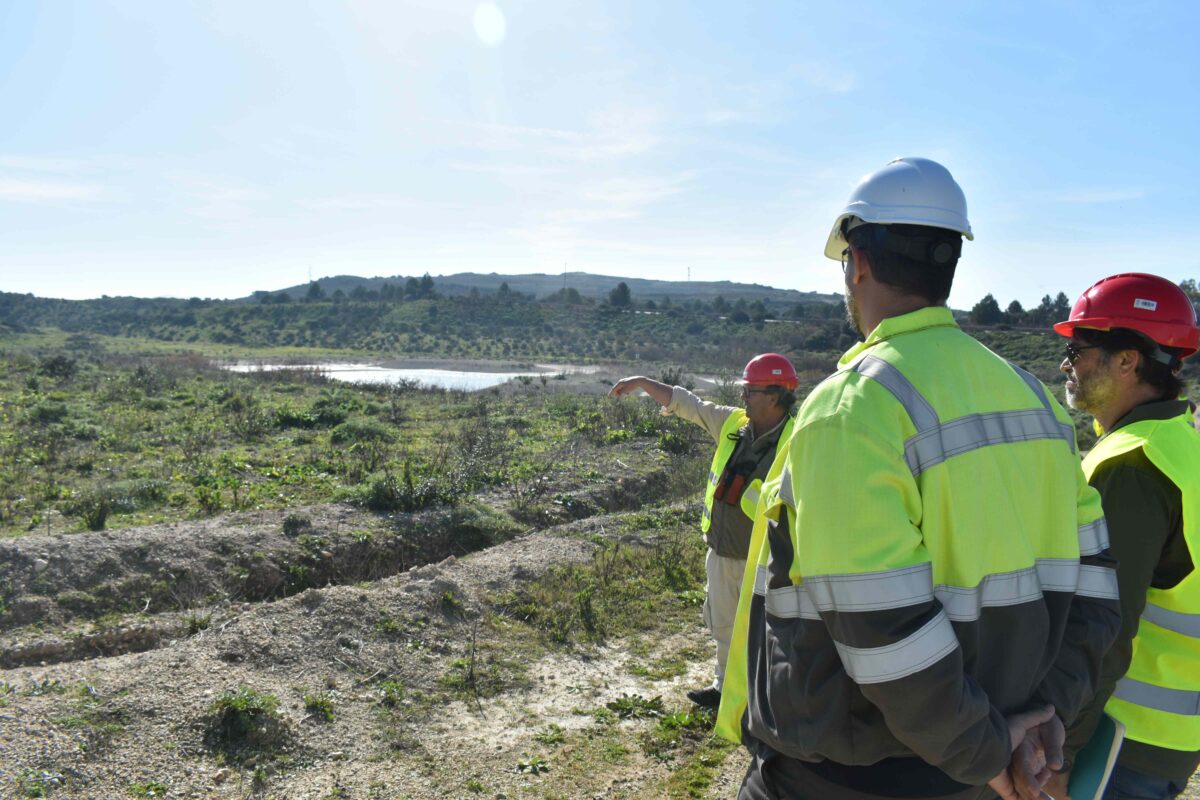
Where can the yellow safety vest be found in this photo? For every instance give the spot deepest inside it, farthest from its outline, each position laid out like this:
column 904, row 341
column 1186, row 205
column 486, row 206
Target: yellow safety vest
column 1158, row 700
column 726, row 444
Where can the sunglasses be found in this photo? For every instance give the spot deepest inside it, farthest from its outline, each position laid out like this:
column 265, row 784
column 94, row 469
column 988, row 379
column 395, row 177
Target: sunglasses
column 846, row 256
column 1074, row 351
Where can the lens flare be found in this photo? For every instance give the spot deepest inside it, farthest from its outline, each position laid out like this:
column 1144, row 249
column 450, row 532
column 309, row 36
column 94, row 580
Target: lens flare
column 490, row 26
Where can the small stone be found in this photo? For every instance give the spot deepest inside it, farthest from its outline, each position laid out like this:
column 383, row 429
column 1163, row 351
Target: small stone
column 220, row 775
column 39, row 565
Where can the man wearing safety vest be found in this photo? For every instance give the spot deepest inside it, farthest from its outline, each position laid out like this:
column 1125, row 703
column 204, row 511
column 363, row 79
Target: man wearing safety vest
column 746, row 444
column 1128, row 335
column 929, row 589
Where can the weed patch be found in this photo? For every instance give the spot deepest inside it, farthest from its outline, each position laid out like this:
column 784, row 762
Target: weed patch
column 244, row 719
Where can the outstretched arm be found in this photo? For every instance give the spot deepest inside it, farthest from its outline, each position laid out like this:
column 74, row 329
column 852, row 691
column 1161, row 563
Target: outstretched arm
column 659, row 392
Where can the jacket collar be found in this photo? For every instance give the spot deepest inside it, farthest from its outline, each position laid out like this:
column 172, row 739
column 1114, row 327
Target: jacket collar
column 1159, row 409
column 919, row 320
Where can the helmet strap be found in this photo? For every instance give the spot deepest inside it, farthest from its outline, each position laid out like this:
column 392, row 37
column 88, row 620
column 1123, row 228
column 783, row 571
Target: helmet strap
column 936, row 250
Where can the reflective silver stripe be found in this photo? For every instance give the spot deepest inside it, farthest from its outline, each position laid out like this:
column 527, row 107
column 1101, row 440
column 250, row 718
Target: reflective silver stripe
column 1093, row 537
column 1066, row 431
column 966, row 603
column 1177, row 621
column 713, row 477
column 919, row 410
column 910, row 586
column 790, row 602
column 932, row 447
column 707, row 513
column 1058, row 574
column 1034, row 385
column 762, row 578
column 1098, row 582
column 785, row 489
column 751, row 495
column 930, row 644
column 936, row 441
column 872, row 591
column 1159, row 698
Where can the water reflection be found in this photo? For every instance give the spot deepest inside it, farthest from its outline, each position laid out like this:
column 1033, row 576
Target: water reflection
column 466, row 380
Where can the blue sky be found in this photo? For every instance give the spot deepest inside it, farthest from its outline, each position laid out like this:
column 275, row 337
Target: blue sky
column 215, row 148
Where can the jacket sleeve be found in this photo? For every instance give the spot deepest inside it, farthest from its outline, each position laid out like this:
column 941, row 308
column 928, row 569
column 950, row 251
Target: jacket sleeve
column 871, row 578
column 1135, row 506
column 1094, row 617
column 707, row 415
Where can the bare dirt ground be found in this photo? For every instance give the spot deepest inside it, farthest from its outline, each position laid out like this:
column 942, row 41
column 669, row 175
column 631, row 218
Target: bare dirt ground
column 118, row 725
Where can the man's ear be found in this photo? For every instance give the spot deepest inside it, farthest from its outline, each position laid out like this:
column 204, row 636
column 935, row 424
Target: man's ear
column 1127, row 361
column 862, row 266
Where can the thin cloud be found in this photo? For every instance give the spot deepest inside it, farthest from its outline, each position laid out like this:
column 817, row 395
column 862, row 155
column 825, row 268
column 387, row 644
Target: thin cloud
column 613, row 134
column 45, row 191
column 504, row 170
column 1095, row 196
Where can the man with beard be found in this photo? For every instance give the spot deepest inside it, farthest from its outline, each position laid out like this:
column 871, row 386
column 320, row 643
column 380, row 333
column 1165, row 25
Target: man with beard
column 916, row 609
column 1128, row 335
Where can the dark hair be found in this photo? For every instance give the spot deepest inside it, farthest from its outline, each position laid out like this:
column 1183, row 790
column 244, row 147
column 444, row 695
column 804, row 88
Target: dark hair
column 1162, row 377
column 785, row 397
column 915, row 259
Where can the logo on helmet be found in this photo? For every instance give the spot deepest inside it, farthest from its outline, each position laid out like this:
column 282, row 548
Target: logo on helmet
column 1148, row 305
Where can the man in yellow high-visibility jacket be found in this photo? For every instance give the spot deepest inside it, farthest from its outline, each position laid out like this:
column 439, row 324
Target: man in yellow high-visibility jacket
column 1128, row 336
column 929, row 588
column 746, row 445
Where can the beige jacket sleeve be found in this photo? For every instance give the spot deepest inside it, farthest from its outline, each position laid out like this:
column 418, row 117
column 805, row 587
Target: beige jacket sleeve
column 707, row 415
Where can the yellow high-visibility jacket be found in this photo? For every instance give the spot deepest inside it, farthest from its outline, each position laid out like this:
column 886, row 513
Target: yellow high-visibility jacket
column 1158, row 700
column 915, row 571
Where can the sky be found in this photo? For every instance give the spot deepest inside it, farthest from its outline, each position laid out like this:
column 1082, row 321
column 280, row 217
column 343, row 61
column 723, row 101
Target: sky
column 212, row 148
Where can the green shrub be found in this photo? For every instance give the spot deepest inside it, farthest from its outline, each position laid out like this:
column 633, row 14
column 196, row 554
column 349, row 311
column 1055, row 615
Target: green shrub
column 245, row 716
column 148, row 789
column 319, row 706
column 48, row 412
column 409, row 492
column 93, row 509
column 674, row 442
column 358, row 431
column 296, row 523
column 288, row 416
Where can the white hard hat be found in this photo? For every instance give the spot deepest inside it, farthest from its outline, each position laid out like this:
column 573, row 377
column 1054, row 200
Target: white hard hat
column 908, row 191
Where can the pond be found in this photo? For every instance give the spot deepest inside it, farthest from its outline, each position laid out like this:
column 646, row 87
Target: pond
column 466, row 380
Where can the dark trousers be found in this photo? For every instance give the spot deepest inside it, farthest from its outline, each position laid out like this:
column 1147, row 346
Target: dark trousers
column 780, row 778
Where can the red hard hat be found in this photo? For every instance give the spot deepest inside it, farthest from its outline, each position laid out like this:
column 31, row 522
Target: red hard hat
column 770, row 369
column 1147, row 304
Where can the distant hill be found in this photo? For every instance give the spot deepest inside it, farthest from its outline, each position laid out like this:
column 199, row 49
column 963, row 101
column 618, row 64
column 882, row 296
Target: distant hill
column 588, row 285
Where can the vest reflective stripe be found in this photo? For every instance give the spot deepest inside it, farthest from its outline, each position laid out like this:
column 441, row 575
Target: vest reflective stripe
column 1093, row 537
column 922, row 414
column 911, row 585
column 1033, row 383
column 1159, row 698
column 936, row 441
column 1177, row 621
column 1100, row 582
column 930, row 644
column 750, row 496
column 786, row 492
column 930, row 448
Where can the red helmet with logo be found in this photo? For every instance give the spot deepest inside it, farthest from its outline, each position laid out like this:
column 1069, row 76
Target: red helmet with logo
column 770, row 369
column 1144, row 303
